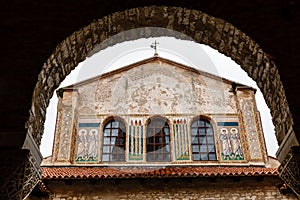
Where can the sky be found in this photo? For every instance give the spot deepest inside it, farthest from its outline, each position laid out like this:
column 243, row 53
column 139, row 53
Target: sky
column 198, row 56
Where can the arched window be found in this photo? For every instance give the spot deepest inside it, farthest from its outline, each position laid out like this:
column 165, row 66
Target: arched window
column 158, row 141
column 203, row 143
column 114, row 137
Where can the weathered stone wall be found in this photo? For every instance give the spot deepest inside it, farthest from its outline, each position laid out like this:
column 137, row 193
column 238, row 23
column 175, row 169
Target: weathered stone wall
column 196, row 188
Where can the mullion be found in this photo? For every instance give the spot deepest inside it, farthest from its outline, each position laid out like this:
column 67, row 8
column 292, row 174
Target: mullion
column 154, row 142
column 157, row 135
column 161, row 139
column 199, row 141
column 206, row 140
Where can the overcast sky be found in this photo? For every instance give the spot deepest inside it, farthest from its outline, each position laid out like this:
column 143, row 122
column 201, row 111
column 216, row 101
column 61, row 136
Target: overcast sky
column 196, row 55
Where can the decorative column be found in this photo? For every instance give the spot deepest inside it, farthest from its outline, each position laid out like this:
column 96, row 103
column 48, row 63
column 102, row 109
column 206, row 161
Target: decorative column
column 66, row 126
column 251, row 123
column 136, row 140
column 181, row 139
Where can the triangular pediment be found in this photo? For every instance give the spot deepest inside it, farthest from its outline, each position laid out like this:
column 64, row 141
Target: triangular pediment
column 156, row 85
column 155, row 59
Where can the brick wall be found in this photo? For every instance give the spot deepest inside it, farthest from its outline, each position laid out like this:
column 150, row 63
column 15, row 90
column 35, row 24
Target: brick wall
column 188, row 188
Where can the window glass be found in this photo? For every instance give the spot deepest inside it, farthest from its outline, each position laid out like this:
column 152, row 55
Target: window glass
column 106, row 149
column 202, row 140
column 196, row 156
column 158, row 141
column 105, row 157
column 194, row 131
column 209, row 131
column 212, row 156
column 114, row 132
column 210, row 140
column 203, row 148
column 195, row 148
column 203, row 157
column 114, row 138
column 195, row 139
column 106, row 141
column 203, row 144
column 202, row 131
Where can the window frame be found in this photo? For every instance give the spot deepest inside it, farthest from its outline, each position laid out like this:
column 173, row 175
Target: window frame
column 163, row 140
column 205, row 136
column 122, row 129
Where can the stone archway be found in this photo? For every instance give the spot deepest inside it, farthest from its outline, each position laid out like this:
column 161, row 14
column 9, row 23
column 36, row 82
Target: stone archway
column 201, row 27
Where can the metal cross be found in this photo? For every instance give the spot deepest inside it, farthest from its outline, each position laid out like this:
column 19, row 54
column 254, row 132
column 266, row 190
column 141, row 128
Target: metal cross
column 154, row 46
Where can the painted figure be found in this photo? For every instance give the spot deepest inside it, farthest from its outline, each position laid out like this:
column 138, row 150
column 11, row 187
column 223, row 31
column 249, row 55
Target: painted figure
column 81, row 146
column 235, row 143
column 93, row 144
column 225, row 144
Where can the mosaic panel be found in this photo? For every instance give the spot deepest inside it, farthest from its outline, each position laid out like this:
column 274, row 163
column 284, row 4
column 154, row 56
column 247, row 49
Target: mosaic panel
column 247, row 108
column 57, row 133
column 87, row 147
column 230, row 141
column 73, row 139
column 136, row 140
column 65, row 135
column 181, row 139
column 260, row 133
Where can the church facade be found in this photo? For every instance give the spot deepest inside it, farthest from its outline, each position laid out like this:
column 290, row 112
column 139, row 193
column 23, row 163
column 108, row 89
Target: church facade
column 159, row 129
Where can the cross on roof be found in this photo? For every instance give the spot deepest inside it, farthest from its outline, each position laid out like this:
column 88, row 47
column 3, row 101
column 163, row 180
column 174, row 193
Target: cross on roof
column 154, row 46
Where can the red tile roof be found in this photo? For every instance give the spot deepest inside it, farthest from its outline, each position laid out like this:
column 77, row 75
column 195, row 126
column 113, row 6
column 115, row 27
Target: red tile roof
column 152, row 172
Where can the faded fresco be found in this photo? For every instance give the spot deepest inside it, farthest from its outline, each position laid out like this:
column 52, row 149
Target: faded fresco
column 156, row 88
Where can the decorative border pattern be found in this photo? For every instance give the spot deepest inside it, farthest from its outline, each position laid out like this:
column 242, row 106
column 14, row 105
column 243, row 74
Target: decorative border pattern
column 57, row 134
column 136, row 140
column 247, row 109
column 73, row 139
column 181, row 139
column 65, row 135
column 230, row 140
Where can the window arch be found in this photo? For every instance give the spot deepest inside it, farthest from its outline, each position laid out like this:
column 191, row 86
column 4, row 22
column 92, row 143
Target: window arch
column 203, row 143
column 114, row 140
column 158, row 141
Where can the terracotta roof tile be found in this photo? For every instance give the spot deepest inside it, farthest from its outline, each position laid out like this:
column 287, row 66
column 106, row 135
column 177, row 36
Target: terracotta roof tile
column 59, row 172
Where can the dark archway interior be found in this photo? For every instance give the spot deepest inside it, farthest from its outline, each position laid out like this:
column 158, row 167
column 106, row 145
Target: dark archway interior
column 30, row 32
